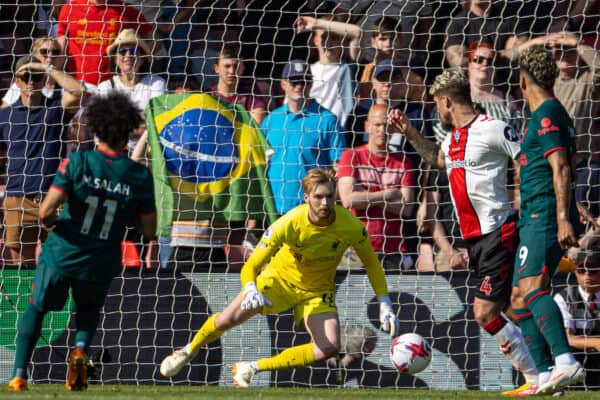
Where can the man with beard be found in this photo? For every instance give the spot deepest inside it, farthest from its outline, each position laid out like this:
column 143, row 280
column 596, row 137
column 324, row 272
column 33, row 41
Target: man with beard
column 307, row 244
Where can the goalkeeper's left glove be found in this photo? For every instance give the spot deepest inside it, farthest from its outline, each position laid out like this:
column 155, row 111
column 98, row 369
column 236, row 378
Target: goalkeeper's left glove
column 387, row 318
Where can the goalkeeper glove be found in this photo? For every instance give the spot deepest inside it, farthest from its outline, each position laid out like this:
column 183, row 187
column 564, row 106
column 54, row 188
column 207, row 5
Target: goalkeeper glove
column 387, row 318
column 253, row 299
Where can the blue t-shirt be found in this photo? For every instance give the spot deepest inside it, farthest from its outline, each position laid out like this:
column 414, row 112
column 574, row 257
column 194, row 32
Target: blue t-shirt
column 313, row 138
column 32, row 137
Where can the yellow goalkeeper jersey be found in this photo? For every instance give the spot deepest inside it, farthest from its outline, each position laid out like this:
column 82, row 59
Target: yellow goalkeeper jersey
column 307, row 255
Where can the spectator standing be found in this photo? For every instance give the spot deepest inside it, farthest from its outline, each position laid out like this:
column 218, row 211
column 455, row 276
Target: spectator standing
column 231, row 88
column 333, row 78
column 580, row 308
column 480, row 22
column 87, row 28
column 578, row 89
column 130, row 63
column 545, row 227
column 476, row 158
column 48, row 52
column 379, row 187
column 32, row 132
column 414, row 17
column 302, row 134
column 388, row 44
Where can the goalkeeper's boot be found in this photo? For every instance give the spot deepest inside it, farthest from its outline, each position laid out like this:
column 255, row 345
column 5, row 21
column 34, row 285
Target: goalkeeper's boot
column 77, row 374
column 562, row 376
column 173, row 363
column 17, row 384
column 242, row 372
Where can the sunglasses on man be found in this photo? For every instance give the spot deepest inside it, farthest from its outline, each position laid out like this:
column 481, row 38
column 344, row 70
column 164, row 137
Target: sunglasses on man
column 481, row 59
column 48, row 52
column 31, row 77
column 588, row 270
column 131, row 50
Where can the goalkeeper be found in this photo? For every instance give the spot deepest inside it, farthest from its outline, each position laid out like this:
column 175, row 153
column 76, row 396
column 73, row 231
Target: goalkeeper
column 307, row 244
column 101, row 190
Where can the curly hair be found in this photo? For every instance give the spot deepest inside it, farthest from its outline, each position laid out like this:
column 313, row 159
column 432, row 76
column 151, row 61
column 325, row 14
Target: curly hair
column 537, row 63
column 454, row 84
column 112, row 118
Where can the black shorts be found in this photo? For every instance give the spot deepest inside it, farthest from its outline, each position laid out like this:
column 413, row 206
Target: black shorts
column 491, row 258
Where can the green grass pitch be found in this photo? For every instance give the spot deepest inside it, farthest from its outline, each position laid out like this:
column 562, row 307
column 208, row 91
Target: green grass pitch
column 143, row 392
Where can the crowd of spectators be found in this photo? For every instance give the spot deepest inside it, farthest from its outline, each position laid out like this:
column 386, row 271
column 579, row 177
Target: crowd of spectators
column 318, row 80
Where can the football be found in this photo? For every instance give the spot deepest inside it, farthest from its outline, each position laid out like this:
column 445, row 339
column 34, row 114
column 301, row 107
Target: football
column 410, row 353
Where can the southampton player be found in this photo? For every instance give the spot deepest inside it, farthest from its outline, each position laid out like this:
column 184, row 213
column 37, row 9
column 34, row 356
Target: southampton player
column 100, row 192
column 545, row 228
column 476, row 156
column 306, row 244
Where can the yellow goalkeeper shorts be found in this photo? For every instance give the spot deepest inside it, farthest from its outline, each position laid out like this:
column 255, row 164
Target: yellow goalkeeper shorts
column 285, row 296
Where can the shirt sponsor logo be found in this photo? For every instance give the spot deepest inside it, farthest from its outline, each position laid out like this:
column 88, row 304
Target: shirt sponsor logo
column 462, row 164
column 547, row 126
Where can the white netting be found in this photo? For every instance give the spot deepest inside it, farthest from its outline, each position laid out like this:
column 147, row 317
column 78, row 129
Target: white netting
column 162, row 298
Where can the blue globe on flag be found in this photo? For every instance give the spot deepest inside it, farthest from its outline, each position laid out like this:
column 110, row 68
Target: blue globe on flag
column 199, row 146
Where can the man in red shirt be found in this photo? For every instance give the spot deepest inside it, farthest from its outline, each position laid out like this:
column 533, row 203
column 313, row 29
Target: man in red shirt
column 87, row 27
column 379, row 186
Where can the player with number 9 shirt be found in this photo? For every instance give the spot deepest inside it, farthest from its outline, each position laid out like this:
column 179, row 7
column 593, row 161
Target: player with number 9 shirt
column 102, row 191
column 545, row 230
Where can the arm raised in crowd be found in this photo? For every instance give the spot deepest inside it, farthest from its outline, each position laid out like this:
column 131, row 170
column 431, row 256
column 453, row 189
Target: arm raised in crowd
column 348, row 31
column 74, row 90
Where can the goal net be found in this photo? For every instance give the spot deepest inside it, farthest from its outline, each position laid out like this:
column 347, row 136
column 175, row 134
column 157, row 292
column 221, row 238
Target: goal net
column 214, row 198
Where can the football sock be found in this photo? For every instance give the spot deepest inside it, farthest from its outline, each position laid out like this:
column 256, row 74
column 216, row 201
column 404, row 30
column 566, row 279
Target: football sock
column 565, row 359
column 538, row 348
column 30, row 327
column 86, row 322
column 297, row 356
column 208, row 333
column 549, row 320
column 513, row 347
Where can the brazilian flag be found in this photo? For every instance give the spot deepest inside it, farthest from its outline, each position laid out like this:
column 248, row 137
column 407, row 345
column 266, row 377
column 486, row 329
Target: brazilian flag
column 208, row 161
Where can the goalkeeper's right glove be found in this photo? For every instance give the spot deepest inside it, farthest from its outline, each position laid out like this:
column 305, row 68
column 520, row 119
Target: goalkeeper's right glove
column 253, row 299
column 387, row 318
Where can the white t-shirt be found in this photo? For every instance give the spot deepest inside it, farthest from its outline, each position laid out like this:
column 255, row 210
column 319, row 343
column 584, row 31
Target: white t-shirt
column 150, row 86
column 477, row 159
column 14, row 93
column 333, row 89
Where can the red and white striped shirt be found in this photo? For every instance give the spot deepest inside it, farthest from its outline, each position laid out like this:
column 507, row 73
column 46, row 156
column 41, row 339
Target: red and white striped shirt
column 477, row 160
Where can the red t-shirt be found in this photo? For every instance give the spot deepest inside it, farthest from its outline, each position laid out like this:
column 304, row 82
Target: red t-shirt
column 376, row 173
column 90, row 29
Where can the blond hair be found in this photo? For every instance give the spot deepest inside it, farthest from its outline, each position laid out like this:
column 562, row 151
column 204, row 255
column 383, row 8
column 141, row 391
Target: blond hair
column 453, row 83
column 539, row 66
column 317, row 176
column 39, row 42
